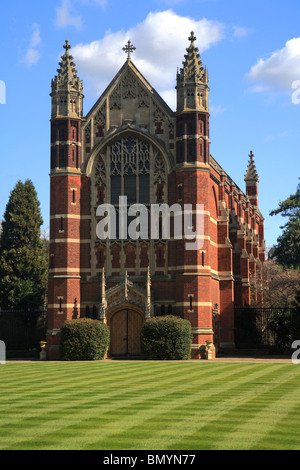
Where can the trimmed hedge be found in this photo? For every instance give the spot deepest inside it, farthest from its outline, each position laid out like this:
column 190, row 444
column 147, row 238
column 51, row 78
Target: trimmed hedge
column 84, row 340
column 166, row 338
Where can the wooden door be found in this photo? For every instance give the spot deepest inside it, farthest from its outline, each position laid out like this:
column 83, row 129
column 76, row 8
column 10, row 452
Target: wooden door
column 118, row 333
column 125, row 332
column 135, row 323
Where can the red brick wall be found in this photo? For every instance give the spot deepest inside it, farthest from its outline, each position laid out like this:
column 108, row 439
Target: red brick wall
column 198, row 280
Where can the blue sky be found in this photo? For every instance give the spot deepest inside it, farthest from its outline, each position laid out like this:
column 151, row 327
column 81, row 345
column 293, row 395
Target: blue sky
column 251, row 50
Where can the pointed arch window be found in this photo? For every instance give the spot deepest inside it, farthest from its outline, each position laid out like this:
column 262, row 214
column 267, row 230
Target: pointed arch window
column 130, row 166
column 130, row 170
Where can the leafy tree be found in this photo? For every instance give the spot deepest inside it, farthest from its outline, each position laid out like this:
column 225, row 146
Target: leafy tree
column 279, row 289
column 23, row 260
column 279, row 285
column 287, row 251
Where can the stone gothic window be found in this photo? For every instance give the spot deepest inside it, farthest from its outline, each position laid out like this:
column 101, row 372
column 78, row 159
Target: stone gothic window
column 190, row 99
column 128, row 166
column 130, row 171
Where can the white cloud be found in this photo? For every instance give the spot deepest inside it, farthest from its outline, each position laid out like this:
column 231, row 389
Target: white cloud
column 279, row 71
column 215, row 110
column 240, row 31
column 170, row 2
column 101, row 3
column 36, row 36
column 32, row 54
column 64, row 17
column 271, row 138
column 160, row 40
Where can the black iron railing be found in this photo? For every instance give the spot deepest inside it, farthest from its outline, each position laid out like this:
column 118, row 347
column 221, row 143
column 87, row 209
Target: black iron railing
column 274, row 327
column 22, row 330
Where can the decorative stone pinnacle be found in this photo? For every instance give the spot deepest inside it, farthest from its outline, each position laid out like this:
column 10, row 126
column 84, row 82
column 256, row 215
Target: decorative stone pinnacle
column 129, row 48
column 148, row 295
column 103, row 284
column 148, row 283
column 251, row 174
column 65, row 82
column 193, row 70
column 126, row 285
column 103, row 304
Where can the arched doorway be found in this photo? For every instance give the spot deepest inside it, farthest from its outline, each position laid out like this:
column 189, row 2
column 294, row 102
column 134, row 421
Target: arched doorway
column 125, row 331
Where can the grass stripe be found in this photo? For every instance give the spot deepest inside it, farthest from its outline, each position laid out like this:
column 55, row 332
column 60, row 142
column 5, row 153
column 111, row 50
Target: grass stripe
column 244, row 424
column 212, row 404
column 114, row 405
column 146, row 405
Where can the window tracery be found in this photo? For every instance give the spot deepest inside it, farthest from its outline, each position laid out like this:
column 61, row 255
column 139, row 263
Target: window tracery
column 129, row 166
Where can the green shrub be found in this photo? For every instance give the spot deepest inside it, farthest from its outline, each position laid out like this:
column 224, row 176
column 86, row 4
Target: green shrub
column 84, row 340
column 166, row 337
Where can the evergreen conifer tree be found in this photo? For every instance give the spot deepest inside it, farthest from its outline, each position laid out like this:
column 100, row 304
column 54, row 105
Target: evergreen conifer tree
column 23, row 261
column 287, row 250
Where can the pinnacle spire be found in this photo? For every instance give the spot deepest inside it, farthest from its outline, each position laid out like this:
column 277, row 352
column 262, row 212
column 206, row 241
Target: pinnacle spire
column 66, row 88
column 251, row 174
column 103, row 303
column 67, row 78
column 192, row 81
column 193, row 70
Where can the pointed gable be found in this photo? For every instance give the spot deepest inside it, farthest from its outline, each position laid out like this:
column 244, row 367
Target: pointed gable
column 129, row 99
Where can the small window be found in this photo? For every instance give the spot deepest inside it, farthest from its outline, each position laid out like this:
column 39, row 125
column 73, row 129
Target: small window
column 61, row 224
column 159, row 196
column 180, row 192
column 203, row 256
column 191, row 302
column 74, row 198
column 160, row 258
column 60, row 304
column 95, row 312
column 201, row 149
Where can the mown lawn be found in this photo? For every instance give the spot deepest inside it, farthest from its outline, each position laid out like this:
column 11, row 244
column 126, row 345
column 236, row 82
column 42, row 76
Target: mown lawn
column 149, row 406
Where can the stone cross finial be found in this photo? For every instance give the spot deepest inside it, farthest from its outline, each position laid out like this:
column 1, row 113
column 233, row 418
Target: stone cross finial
column 67, row 45
column 251, row 155
column 129, row 48
column 192, row 37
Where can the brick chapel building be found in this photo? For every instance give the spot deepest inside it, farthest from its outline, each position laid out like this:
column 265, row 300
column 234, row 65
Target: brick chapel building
column 131, row 143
